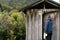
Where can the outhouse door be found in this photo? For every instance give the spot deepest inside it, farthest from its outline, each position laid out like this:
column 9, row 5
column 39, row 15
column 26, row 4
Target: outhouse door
column 55, row 33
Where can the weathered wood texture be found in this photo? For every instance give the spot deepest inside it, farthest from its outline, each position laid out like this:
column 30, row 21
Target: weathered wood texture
column 59, row 25
column 34, row 25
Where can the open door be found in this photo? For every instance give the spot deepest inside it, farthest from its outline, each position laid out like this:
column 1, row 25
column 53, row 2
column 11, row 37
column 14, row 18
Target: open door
column 55, row 33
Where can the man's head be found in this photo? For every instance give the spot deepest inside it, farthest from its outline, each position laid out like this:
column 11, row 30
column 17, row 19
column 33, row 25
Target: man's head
column 51, row 16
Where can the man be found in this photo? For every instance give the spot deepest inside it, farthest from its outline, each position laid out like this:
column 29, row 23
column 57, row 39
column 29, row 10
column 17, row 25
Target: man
column 48, row 28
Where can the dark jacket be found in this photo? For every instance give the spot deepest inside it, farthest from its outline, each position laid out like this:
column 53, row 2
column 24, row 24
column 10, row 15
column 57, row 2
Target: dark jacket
column 48, row 25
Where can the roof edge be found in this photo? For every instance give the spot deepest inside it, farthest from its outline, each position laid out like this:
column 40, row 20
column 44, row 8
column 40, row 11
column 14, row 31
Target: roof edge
column 48, row 1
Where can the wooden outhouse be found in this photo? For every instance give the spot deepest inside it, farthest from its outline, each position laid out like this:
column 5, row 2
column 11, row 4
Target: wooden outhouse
column 36, row 14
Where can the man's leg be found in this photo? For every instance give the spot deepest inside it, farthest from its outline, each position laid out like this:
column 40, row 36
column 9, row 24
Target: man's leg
column 49, row 36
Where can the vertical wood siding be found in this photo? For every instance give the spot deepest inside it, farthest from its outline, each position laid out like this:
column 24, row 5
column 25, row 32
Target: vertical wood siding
column 34, row 25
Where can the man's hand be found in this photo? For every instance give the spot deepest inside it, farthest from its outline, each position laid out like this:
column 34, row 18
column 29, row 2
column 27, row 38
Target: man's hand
column 45, row 35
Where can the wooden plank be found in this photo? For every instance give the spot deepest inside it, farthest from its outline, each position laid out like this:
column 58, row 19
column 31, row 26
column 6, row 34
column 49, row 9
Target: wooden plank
column 52, row 3
column 28, row 26
column 50, row 10
column 27, row 21
column 57, row 25
column 32, row 24
column 54, row 32
column 40, row 25
column 36, row 27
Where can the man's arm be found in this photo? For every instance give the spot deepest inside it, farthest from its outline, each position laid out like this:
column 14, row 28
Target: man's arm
column 46, row 26
column 45, row 29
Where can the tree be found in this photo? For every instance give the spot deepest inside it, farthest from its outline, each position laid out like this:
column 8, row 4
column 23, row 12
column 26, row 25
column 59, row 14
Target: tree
column 13, row 25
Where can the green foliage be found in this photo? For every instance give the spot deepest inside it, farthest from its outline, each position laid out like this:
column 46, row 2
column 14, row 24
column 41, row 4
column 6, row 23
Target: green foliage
column 12, row 25
column 15, row 4
column 12, row 22
column 15, row 15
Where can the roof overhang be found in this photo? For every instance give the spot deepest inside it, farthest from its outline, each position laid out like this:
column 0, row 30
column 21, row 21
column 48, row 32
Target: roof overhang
column 48, row 4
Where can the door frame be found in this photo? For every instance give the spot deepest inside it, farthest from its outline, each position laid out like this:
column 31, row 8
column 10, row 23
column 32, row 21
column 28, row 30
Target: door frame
column 46, row 13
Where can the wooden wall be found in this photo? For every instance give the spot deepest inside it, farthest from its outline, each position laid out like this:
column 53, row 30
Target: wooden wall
column 34, row 24
column 59, row 25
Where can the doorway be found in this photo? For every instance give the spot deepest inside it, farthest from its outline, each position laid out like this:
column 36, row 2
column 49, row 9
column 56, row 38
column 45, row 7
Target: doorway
column 55, row 24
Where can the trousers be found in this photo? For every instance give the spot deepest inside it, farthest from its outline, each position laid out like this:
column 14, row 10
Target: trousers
column 49, row 36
